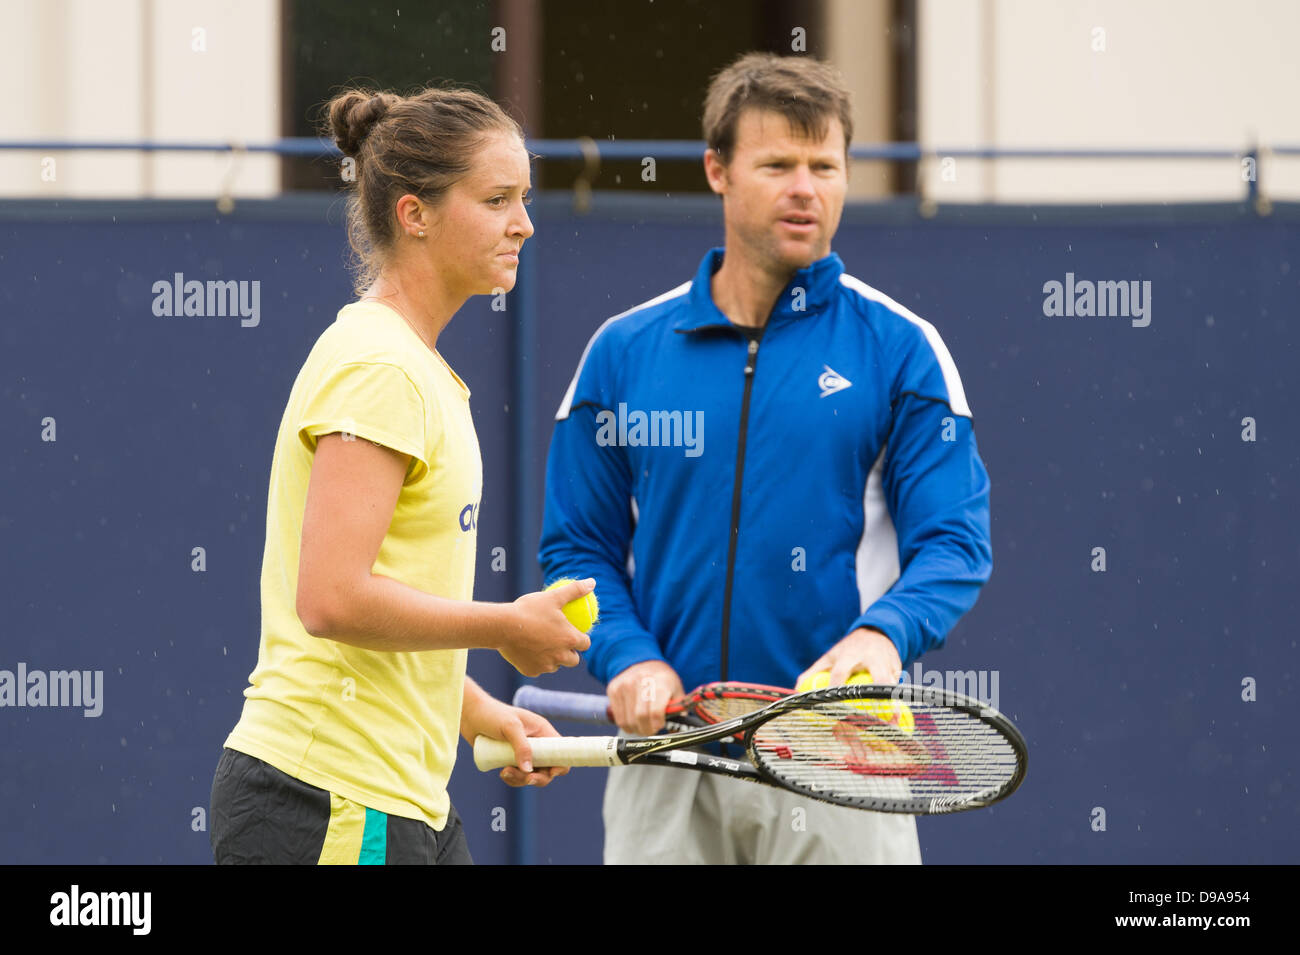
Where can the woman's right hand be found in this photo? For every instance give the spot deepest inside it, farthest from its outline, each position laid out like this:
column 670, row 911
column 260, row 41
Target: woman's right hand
column 542, row 639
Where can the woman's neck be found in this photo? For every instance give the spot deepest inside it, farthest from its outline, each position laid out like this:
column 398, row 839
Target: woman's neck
column 425, row 305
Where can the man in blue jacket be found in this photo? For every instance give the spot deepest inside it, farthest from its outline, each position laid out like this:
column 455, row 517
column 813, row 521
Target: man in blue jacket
column 770, row 471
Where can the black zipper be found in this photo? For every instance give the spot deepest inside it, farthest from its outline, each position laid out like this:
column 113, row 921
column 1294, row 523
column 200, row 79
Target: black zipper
column 750, row 363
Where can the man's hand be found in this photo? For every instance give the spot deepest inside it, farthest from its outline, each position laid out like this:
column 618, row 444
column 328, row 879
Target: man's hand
column 484, row 715
column 863, row 649
column 639, row 695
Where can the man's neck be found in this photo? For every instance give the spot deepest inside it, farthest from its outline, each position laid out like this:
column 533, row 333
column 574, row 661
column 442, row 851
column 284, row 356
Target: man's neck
column 745, row 292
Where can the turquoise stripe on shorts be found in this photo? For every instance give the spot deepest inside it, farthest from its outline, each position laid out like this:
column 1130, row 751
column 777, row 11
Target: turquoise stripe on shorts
column 374, row 840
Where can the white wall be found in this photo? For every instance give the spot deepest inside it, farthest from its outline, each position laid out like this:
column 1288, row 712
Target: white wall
column 189, row 70
column 1108, row 73
column 858, row 46
column 1179, row 73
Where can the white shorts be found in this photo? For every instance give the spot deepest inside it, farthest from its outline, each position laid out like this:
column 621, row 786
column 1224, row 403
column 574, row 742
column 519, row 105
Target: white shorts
column 661, row 815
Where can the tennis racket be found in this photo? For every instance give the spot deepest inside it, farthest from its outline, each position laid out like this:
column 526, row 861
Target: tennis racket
column 705, row 705
column 952, row 754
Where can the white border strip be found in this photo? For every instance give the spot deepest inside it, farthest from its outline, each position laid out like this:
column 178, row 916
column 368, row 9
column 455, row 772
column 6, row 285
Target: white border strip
column 567, row 403
column 876, row 562
column 952, row 380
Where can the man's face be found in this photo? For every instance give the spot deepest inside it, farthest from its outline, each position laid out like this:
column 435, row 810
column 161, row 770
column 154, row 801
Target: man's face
column 783, row 194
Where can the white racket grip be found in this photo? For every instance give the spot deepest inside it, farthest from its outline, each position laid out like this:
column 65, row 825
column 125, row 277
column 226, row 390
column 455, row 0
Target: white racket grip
column 549, row 751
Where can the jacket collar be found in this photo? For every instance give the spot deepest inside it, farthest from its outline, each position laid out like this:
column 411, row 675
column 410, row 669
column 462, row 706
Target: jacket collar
column 818, row 282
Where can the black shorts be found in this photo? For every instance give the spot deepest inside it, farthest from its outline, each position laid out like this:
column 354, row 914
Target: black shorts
column 261, row 816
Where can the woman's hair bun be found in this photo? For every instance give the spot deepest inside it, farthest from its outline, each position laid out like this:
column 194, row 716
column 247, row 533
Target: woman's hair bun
column 353, row 114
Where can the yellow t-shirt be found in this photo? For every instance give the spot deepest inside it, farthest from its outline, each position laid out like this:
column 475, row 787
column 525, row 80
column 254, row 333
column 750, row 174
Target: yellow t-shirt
column 379, row 728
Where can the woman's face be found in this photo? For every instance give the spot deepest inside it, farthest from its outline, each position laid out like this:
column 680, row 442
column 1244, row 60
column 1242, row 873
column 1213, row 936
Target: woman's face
column 481, row 223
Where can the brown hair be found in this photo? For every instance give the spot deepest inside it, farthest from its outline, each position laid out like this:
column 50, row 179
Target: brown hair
column 808, row 92
column 419, row 144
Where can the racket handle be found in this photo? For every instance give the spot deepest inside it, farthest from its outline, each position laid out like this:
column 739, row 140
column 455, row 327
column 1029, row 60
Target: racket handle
column 549, row 751
column 582, row 707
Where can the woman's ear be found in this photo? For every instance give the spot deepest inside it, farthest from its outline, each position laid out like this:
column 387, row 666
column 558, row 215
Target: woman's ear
column 414, row 217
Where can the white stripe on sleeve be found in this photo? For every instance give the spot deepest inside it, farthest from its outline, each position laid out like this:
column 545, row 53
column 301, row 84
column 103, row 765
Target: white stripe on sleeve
column 567, row 403
column 951, row 380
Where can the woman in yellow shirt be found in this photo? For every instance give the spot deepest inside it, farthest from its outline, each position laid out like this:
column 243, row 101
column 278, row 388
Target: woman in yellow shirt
column 349, row 727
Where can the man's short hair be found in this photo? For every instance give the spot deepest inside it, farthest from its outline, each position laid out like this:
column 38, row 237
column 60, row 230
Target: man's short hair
column 808, row 92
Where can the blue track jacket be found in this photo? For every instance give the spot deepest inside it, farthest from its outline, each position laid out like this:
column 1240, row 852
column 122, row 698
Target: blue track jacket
column 743, row 504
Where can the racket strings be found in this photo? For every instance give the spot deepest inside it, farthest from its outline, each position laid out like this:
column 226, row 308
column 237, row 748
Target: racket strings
column 725, row 701
column 859, row 751
column 722, row 708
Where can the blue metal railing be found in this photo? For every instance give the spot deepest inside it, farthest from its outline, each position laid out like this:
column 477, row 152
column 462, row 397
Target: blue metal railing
column 670, row 149
column 593, row 151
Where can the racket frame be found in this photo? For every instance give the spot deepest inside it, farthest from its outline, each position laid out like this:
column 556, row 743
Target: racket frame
column 674, row 749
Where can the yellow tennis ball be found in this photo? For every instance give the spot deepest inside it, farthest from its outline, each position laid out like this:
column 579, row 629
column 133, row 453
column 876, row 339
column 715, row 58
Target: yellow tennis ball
column 818, row 681
column 891, row 711
column 822, row 679
column 584, row 612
